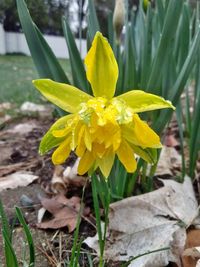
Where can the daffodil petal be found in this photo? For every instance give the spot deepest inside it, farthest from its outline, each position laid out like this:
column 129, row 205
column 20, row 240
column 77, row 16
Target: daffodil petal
column 140, row 101
column 140, row 134
column 62, row 95
column 49, row 140
column 62, row 152
column 62, row 132
column 76, row 133
column 85, row 163
column 105, row 164
column 126, row 156
column 101, row 67
column 99, row 149
column 80, row 149
column 87, row 139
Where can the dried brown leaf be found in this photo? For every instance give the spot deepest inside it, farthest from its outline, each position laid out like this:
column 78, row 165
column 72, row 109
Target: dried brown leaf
column 64, row 217
column 191, row 253
column 65, row 178
column 169, row 160
column 64, row 211
column 149, row 222
column 58, row 184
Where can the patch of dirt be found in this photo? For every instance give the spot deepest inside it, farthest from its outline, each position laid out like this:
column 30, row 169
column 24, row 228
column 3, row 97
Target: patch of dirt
column 19, row 142
column 19, row 152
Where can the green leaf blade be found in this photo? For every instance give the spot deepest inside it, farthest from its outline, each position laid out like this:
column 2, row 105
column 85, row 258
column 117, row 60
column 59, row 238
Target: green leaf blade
column 77, row 66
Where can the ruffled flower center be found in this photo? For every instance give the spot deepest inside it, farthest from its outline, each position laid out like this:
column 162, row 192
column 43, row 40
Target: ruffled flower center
column 105, row 111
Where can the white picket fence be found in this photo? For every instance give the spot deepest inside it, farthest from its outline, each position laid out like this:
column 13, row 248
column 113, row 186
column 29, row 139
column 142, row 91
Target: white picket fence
column 12, row 42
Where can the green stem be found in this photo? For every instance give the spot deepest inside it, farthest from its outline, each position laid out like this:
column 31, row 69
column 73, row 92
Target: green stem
column 132, row 181
column 101, row 261
column 97, row 191
column 154, row 167
column 77, row 245
column 144, row 176
column 144, row 254
column 153, row 170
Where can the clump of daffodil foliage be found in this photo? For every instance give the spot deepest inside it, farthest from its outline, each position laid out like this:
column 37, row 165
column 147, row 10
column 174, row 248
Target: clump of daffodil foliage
column 102, row 126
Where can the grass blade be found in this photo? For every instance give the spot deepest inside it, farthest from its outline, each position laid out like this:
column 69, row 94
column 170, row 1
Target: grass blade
column 28, row 236
column 4, row 221
column 102, row 193
column 77, row 246
column 11, row 260
column 97, row 212
column 10, row 256
column 141, row 255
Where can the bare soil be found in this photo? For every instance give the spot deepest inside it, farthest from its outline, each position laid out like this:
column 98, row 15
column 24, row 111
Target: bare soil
column 19, row 152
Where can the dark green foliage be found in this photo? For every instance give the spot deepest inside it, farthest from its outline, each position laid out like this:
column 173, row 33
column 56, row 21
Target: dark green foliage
column 46, row 14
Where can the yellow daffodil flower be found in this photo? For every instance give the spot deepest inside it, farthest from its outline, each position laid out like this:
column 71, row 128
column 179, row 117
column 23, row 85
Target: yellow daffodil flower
column 100, row 126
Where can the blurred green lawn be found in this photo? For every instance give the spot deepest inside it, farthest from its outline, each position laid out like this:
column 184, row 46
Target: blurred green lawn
column 16, row 74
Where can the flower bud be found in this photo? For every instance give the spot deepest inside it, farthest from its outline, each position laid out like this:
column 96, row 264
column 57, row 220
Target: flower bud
column 146, row 3
column 119, row 17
